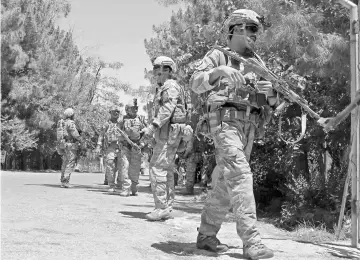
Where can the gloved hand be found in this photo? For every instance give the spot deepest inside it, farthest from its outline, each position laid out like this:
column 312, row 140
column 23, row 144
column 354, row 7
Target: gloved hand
column 148, row 132
column 265, row 87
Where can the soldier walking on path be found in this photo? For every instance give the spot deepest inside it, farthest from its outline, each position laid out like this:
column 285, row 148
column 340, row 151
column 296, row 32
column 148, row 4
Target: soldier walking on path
column 108, row 141
column 69, row 141
column 130, row 163
column 234, row 115
column 170, row 129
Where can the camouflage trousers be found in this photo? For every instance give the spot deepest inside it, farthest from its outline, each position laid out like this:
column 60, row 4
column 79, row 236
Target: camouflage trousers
column 162, row 165
column 232, row 182
column 112, row 157
column 130, row 168
column 68, row 162
column 191, row 164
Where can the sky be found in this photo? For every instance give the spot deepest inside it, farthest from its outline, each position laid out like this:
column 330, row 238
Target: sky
column 114, row 30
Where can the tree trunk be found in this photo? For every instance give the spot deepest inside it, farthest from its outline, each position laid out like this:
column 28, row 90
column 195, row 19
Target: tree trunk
column 41, row 162
column 48, row 162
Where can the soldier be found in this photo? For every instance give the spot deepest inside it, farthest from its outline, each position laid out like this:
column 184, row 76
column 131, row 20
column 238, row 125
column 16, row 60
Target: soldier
column 233, row 119
column 170, row 129
column 69, row 143
column 108, row 141
column 131, row 157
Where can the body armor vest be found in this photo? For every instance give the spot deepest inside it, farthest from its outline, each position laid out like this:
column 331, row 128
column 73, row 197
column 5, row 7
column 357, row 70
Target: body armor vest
column 227, row 96
column 132, row 127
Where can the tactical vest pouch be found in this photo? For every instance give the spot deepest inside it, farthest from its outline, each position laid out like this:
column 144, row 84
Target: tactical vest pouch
column 111, row 134
column 179, row 115
column 227, row 114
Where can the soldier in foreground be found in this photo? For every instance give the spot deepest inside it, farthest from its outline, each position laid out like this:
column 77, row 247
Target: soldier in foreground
column 108, row 141
column 235, row 114
column 68, row 145
column 170, row 129
column 131, row 157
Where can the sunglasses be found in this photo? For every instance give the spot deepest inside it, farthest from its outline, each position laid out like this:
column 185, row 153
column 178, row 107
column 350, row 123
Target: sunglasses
column 252, row 28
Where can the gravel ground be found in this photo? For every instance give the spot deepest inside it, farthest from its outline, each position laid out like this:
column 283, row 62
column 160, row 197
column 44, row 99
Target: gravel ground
column 40, row 220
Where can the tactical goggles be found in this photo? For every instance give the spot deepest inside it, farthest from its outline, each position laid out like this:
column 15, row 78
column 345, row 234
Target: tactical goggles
column 157, row 67
column 252, row 28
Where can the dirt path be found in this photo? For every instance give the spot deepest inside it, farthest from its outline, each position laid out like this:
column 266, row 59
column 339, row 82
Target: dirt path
column 42, row 221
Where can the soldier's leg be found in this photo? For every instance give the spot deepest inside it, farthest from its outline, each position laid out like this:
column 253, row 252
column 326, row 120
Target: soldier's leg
column 119, row 181
column 158, row 174
column 163, row 191
column 239, row 180
column 63, row 166
column 134, row 169
column 170, row 188
column 110, row 167
column 216, row 207
column 190, row 173
column 71, row 154
column 124, row 171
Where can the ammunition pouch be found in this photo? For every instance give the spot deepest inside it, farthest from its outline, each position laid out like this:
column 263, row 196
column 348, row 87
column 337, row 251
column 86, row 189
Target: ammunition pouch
column 179, row 115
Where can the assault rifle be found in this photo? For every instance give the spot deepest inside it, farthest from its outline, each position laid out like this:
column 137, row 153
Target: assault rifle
column 131, row 143
column 279, row 85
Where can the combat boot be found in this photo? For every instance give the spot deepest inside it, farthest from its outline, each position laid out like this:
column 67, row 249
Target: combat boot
column 111, row 190
column 257, row 251
column 159, row 214
column 210, row 243
column 125, row 193
column 64, row 185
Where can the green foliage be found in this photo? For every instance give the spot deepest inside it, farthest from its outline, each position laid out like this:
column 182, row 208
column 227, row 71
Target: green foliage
column 308, row 45
column 43, row 73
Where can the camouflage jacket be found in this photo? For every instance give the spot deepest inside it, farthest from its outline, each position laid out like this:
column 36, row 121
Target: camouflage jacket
column 170, row 107
column 221, row 92
column 108, row 134
column 71, row 132
column 132, row 127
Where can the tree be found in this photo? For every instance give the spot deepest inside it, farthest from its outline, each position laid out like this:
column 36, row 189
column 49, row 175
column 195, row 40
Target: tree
column 308, row 45
column 43, row 73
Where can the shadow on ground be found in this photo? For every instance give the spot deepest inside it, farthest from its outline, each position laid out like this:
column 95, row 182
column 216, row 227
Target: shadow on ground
column 189, row 249
column 338, row 250
column 73, row 186
column 133, row 214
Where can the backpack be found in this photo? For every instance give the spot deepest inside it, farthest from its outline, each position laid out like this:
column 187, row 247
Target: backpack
column 61, row 132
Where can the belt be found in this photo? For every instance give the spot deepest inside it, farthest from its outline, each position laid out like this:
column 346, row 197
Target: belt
column 228, row 114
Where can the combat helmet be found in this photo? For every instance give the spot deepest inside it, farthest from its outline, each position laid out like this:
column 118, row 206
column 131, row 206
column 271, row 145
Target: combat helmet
column 245, row 17
column 165, row 61
column 131, row 106
column 114, row 108
column 69, row 112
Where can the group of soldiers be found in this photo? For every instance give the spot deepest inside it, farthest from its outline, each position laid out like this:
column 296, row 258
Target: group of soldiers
column 230, row 117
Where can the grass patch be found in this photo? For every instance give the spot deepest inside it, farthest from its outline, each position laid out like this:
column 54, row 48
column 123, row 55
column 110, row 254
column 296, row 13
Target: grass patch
column 309, row 232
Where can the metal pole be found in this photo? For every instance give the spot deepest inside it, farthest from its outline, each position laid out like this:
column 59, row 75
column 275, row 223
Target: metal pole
column 354, row 154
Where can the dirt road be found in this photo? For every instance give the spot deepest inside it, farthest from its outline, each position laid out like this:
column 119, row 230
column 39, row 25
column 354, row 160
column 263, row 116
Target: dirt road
column 42, row 221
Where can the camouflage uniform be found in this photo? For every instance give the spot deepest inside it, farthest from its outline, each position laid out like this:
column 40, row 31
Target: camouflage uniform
column 71, row 146
column 233, row 119
column 131, row 158
column 170, row 129
column 194, row 160
column 109, row 140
